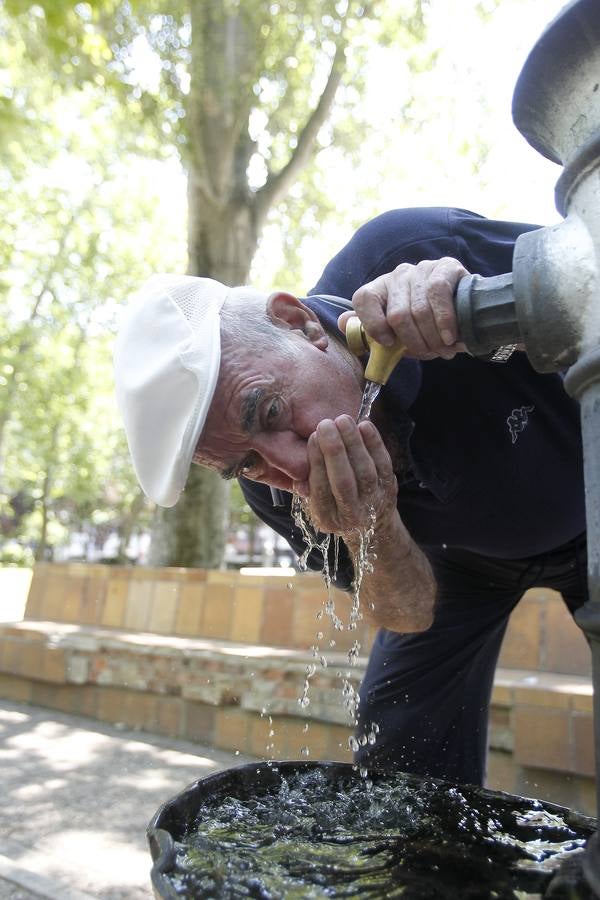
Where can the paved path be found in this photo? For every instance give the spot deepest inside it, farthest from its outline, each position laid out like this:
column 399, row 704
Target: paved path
column 76, row 798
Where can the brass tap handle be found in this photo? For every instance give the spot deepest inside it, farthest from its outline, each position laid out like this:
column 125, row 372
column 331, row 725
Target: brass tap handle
column 356, row 337
column 382, row 360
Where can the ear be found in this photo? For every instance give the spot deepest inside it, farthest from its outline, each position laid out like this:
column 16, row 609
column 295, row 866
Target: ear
column 288, row 311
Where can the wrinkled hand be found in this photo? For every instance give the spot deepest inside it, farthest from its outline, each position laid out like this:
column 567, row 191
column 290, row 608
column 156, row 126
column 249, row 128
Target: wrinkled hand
column 415, row 305
column 351, row 477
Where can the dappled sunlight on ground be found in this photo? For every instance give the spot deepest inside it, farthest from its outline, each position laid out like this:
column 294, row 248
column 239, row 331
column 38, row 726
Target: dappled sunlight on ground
column 11, row 715
column 65, row 748
column 78, row 795
column 112, row 865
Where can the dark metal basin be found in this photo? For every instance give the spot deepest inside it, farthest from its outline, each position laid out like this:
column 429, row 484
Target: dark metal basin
column 173, row 820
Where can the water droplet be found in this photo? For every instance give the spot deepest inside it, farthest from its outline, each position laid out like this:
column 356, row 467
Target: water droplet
column 290, row 586
column 353, row 743
column 305, row 728
column 237, row 753
column 305, row 751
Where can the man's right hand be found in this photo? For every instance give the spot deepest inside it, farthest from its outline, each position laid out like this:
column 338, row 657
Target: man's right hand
column 352, row 488
column 351, row 485
column 413, row 305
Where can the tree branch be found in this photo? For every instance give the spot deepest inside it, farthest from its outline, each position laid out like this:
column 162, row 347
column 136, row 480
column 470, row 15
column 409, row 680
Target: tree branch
column 278, row 184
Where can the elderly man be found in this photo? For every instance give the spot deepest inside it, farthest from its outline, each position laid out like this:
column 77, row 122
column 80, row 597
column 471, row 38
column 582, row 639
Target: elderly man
column 470, row 471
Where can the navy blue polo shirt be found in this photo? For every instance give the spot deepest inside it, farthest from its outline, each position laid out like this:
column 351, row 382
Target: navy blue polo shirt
column 494, row 457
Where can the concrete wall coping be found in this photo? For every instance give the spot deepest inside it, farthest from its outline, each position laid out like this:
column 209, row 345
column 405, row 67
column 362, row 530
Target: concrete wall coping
column 77, row 637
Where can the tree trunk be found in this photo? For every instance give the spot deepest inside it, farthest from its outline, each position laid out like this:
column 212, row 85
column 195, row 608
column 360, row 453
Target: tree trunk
column 222, row 240
column 128, row 522
column 193, row 533
column 40, row 551
column 224, row 221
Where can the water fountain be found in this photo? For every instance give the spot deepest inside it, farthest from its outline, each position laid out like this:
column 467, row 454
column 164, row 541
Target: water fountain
column 551, row 301
column 551, row 304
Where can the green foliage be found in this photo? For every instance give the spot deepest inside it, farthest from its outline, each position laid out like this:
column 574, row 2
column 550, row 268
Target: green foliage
column 14, row 554
column 83, row 220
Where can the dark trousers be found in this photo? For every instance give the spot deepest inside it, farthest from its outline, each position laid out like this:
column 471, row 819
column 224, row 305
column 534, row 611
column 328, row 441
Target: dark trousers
column 430, row 693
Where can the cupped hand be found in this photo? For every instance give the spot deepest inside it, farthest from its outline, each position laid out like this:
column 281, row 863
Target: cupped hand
column 414, row 304
column 351, row 484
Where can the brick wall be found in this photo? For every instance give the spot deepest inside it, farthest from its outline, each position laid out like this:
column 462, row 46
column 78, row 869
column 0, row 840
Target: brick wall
column 276, row 610
column 221, row 658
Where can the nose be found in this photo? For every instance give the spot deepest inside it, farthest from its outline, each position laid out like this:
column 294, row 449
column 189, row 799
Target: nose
column 285, row 452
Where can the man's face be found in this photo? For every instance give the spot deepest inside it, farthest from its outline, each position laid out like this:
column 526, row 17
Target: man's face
column 265, row 409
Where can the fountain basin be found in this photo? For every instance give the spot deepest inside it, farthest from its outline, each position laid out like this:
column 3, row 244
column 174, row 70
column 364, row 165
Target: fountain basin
column 319, row 829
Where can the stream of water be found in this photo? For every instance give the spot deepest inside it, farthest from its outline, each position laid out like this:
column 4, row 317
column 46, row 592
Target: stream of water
column 363, row 562
column 370, row 394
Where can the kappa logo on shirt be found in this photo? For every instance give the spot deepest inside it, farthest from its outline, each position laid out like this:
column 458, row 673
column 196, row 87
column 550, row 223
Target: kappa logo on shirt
column 517, row 421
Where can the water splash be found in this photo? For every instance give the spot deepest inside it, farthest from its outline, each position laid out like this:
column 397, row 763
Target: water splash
column 317, row 834
column 300, row 515
column 362, row 565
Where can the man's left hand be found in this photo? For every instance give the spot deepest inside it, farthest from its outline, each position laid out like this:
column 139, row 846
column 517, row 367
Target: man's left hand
column 413, row 305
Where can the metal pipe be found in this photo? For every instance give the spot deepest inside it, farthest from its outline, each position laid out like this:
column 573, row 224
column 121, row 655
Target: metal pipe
column 583, row 383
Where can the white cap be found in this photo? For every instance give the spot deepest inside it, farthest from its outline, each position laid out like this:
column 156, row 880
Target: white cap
column 166, row 358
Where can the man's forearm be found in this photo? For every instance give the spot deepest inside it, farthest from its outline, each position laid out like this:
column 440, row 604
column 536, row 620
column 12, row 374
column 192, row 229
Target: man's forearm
column 399, row 592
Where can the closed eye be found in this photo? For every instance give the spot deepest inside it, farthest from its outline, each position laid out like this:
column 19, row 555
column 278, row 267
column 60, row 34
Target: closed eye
column 244, row 467
column 273, row 410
